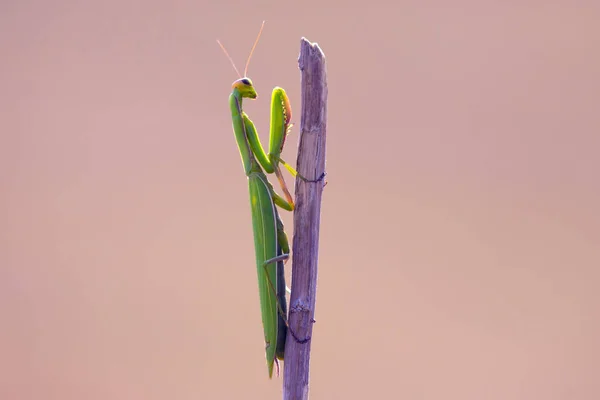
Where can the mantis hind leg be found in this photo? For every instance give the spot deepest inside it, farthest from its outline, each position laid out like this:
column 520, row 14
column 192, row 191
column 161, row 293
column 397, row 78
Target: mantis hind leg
column 281, row 305
column 283, row 254
column 281, row 323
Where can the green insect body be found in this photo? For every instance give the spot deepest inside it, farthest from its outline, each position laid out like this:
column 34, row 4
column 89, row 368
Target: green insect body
column 270, row 240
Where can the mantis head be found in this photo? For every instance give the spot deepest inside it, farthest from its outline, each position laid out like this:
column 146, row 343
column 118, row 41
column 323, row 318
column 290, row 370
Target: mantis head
column 245, row 87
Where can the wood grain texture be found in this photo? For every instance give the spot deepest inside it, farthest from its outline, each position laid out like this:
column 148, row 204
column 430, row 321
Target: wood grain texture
column 311, row 165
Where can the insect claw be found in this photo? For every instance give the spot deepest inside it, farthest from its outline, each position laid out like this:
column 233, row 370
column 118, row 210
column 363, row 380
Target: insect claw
column 277, row 364
column 319, row 179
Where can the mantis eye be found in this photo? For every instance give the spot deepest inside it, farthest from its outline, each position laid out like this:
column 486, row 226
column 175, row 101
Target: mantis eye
column 246, row 81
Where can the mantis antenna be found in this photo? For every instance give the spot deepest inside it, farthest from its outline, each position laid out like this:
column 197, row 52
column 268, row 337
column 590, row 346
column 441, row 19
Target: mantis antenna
column 253, row 47
column 249, row 57
column 230, row 59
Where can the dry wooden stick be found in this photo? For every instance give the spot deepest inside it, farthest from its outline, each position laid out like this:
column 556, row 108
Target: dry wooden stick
column 307, row 214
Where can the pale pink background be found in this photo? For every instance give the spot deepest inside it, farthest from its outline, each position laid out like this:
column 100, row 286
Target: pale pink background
column 460, row 231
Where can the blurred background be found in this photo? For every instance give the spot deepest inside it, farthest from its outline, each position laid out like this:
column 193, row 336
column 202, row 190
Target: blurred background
column 459, row 253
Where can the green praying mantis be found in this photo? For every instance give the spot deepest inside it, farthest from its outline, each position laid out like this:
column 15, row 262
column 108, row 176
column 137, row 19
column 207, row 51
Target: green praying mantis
column 270, row 240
